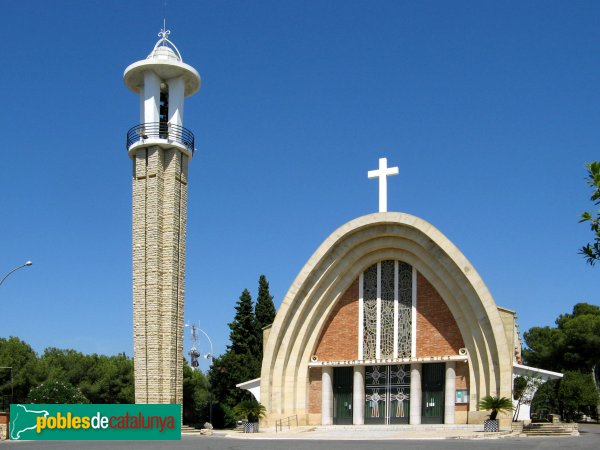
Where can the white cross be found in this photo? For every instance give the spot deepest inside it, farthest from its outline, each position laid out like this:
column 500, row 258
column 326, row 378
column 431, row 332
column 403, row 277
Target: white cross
column 382, row 173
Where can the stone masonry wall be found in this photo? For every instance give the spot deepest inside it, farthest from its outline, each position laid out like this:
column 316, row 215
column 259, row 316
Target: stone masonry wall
column 159, row 231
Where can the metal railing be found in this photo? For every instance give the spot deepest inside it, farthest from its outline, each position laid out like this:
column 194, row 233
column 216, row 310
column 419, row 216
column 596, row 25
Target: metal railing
column 286, row 421
column 161, row 130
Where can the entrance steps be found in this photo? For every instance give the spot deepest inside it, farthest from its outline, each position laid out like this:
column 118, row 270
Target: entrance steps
column 551, row 429
column 187, row 430
column 424, row 427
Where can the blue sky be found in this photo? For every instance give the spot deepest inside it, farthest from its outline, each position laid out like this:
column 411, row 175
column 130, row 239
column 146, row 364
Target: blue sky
column 490, row 110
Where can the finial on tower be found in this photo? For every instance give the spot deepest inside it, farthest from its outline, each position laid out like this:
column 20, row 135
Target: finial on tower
column 164, row 33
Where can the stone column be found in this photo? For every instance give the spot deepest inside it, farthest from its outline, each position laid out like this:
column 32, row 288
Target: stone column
column 450, row 393
column 416, row 394
column 358, row 396
column 327, row 396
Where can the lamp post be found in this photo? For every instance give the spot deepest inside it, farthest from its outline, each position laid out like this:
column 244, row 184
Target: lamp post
column 210, row 357
column 27, row 264
column 12, row 385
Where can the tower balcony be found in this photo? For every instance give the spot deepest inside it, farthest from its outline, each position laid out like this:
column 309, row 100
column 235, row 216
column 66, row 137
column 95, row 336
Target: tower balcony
column 161, row 134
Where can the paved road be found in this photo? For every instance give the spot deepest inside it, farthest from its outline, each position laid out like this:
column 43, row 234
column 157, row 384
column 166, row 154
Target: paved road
column 589, row 439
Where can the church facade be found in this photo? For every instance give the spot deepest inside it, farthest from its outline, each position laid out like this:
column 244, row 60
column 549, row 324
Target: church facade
column 387, row 323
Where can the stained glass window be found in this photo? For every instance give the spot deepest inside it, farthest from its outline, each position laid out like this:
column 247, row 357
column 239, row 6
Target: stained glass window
column 395, row 282
column 387, row 309
column 404, row 309
column 370, row 312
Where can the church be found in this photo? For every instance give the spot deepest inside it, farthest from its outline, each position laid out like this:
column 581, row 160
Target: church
column 387, row 323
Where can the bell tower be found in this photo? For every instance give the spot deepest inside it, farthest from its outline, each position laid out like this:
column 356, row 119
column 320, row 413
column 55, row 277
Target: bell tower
column 160, row 148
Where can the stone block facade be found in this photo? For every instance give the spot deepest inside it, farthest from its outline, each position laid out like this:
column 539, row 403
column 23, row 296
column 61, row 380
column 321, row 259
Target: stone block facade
column 159, row 234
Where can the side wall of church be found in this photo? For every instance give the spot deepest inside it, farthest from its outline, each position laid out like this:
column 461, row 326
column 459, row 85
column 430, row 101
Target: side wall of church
column 437, row 332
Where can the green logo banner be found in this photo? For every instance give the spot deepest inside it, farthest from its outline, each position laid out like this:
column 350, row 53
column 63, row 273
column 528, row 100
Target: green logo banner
column 95, row 422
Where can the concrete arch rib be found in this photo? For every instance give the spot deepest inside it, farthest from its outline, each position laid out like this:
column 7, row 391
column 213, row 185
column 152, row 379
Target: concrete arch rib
column 337, row 263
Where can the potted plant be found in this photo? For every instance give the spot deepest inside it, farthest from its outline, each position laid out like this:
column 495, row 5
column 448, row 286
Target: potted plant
column 250, row 411
column 495, row 405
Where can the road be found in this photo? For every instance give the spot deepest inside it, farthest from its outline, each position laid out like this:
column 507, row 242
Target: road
column 589, row 438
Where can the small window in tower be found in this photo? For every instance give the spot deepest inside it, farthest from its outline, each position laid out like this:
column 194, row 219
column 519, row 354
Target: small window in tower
column 163, row 111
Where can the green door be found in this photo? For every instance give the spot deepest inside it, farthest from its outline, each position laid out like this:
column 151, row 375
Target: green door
column 433, row 393
column 342, row 395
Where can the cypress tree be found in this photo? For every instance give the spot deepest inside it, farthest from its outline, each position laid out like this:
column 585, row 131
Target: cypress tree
column 243, row 335
column 265, row 309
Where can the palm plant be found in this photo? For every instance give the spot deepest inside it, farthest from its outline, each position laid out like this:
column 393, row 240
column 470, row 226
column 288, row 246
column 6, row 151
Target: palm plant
column 496, row 405
column 250, row 410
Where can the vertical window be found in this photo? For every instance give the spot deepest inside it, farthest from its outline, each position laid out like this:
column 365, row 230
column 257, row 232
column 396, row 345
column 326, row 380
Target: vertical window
column 387, row 309
column 387, row 329
column 405, row 302
column 370, row 312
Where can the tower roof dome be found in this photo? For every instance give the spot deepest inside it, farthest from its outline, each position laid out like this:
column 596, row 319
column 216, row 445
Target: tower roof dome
column 164, row 49
column 166, row 62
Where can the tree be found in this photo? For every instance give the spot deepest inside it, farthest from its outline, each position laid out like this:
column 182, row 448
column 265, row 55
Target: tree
column 577, row 394
column 264, row 309
column 591, row 251
column 243, row 358
column 573, row 345
column 196, row 400
column 56, row 392
column 545, row 400
column 26, row 372
column 244, row 328
column 102, row 379
column 495, row 405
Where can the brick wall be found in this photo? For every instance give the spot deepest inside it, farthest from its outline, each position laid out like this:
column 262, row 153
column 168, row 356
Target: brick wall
column 339, row 339
column 437, row 332
column 462, row 382
column 314, row 390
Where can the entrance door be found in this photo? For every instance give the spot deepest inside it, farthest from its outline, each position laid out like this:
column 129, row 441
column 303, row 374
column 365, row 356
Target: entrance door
column 387, row 392
column 342, row 395
column 433, row 393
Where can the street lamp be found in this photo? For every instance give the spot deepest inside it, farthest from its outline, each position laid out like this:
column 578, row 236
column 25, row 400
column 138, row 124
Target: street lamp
column 27, row 264
column 209, row 356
